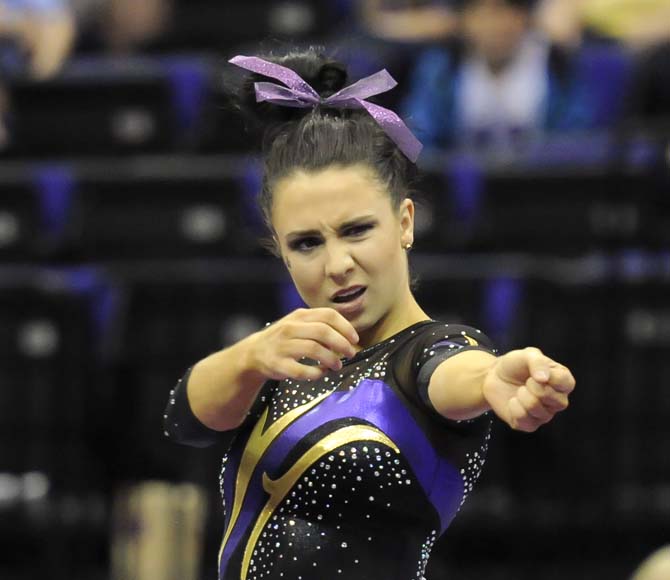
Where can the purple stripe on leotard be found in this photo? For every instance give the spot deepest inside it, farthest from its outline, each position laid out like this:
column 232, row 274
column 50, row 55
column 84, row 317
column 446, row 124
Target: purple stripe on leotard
column 373, row 402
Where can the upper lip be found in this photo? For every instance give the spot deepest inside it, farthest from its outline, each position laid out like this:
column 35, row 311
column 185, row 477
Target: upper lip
column 347, row 290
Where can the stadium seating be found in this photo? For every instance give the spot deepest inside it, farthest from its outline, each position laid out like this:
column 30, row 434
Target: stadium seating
column 129, row 249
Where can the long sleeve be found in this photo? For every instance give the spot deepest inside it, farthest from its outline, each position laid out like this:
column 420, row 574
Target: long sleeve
column 433, row 346
column 182, row 426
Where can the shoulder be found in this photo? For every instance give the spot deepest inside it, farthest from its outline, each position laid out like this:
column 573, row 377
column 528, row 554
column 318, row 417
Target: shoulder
column 443, row 334
column 433, row 342
column 431, row 345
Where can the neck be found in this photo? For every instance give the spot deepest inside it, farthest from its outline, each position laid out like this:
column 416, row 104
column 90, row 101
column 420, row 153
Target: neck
column 405, row 314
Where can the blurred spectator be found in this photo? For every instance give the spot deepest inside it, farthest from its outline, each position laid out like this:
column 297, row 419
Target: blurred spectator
column 638, row 24
column 409, row 21
column 655, row 567
column 37, row 36
column 650, row 98
column 642, row 27
column 502, row 84
column 390, row 34
column 121, row 26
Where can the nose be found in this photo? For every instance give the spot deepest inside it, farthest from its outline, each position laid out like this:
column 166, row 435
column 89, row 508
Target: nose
column 339, row 261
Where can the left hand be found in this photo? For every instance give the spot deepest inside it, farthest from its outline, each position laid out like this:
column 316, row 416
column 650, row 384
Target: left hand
column 526, row 388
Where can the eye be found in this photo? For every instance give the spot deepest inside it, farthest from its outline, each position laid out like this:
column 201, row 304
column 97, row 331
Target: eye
column 358, row 230
column 304, row 244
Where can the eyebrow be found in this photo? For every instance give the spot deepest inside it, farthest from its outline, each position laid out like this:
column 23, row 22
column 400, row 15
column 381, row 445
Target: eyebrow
column 341, row 227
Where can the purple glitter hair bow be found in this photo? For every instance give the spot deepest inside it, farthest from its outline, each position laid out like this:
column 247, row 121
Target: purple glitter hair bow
column 298, row 93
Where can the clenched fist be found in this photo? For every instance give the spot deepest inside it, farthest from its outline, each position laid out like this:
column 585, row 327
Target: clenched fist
column 526, row 388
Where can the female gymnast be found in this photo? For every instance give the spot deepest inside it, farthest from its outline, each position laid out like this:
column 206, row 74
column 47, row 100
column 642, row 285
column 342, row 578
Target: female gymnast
column 355, row 428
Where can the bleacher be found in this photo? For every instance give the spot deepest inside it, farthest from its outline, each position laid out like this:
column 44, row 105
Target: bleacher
column 129, row 249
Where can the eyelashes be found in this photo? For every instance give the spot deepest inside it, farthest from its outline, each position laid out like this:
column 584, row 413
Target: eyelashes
column 358, row 230
column 308, row 243
column 304, row 244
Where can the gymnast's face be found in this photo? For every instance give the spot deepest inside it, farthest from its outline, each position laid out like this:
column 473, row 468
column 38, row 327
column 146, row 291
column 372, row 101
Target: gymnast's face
column 338, row 232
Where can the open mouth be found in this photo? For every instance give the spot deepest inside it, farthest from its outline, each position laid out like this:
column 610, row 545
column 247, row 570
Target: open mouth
column 349, row 297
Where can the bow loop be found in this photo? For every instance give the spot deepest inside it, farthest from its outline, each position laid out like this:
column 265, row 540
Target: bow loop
column 375, row 84
column 299, row 94
column 275, row 71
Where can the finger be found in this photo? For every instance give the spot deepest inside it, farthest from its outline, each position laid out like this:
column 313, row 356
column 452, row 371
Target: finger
column 324, row 334
column 552, row 399
column 520, row 419
column 334, row 319
column 561, row 379
column 301, row 348
column 533, row 405
column 539, row 365
column 291, row 369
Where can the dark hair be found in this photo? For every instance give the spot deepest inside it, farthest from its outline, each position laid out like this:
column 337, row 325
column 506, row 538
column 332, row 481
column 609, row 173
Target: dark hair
column 313, row 139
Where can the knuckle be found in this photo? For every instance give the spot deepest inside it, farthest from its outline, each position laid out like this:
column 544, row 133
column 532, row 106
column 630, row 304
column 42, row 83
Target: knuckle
column 286, row 329
column 332, row 314
column 323, row 332
column 300, row 313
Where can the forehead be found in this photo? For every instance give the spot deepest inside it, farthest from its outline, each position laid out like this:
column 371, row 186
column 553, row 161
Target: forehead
column 304, row 199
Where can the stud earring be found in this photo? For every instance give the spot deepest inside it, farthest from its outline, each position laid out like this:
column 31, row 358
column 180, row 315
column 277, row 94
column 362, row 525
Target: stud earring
column 408, row 246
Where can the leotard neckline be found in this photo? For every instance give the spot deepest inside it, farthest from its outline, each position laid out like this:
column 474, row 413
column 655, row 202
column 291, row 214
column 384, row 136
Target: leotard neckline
column 370, row 349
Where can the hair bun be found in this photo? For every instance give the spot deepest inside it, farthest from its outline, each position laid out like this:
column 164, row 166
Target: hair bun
column 325, row 75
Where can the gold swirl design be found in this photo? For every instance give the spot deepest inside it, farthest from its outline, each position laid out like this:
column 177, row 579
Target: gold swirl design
column 253, row 452
column 471, row 341
column 278, row 488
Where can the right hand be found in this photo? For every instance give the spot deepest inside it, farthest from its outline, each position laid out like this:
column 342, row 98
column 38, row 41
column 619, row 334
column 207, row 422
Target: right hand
column 320, row 334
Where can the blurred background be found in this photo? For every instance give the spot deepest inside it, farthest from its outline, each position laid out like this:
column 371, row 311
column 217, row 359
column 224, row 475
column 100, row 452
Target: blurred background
column 129, row 250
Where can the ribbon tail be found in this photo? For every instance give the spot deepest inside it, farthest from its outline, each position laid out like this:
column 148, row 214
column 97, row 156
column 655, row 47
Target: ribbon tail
column 396, row 129
column 375, row 84
column 275, row 71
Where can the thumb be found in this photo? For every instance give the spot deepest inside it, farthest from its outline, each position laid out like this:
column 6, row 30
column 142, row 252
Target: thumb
column 538, row 365
column 517, row 366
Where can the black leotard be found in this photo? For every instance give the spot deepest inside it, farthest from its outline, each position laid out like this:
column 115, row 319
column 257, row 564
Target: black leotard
column 353, row 476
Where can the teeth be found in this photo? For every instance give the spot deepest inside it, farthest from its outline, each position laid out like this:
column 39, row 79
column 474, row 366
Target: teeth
column 345, row 297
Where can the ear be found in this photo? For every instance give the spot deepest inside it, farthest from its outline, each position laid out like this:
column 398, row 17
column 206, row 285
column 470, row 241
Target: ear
column 406, row 221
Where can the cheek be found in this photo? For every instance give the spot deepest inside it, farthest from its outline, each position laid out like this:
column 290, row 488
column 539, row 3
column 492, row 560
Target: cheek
column 382, row 258
column 306, row 277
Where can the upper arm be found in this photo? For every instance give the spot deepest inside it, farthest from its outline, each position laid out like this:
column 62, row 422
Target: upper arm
column 451, row 369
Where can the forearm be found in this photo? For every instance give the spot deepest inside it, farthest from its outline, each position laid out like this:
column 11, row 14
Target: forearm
column 223, row 386
column 456, row 386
